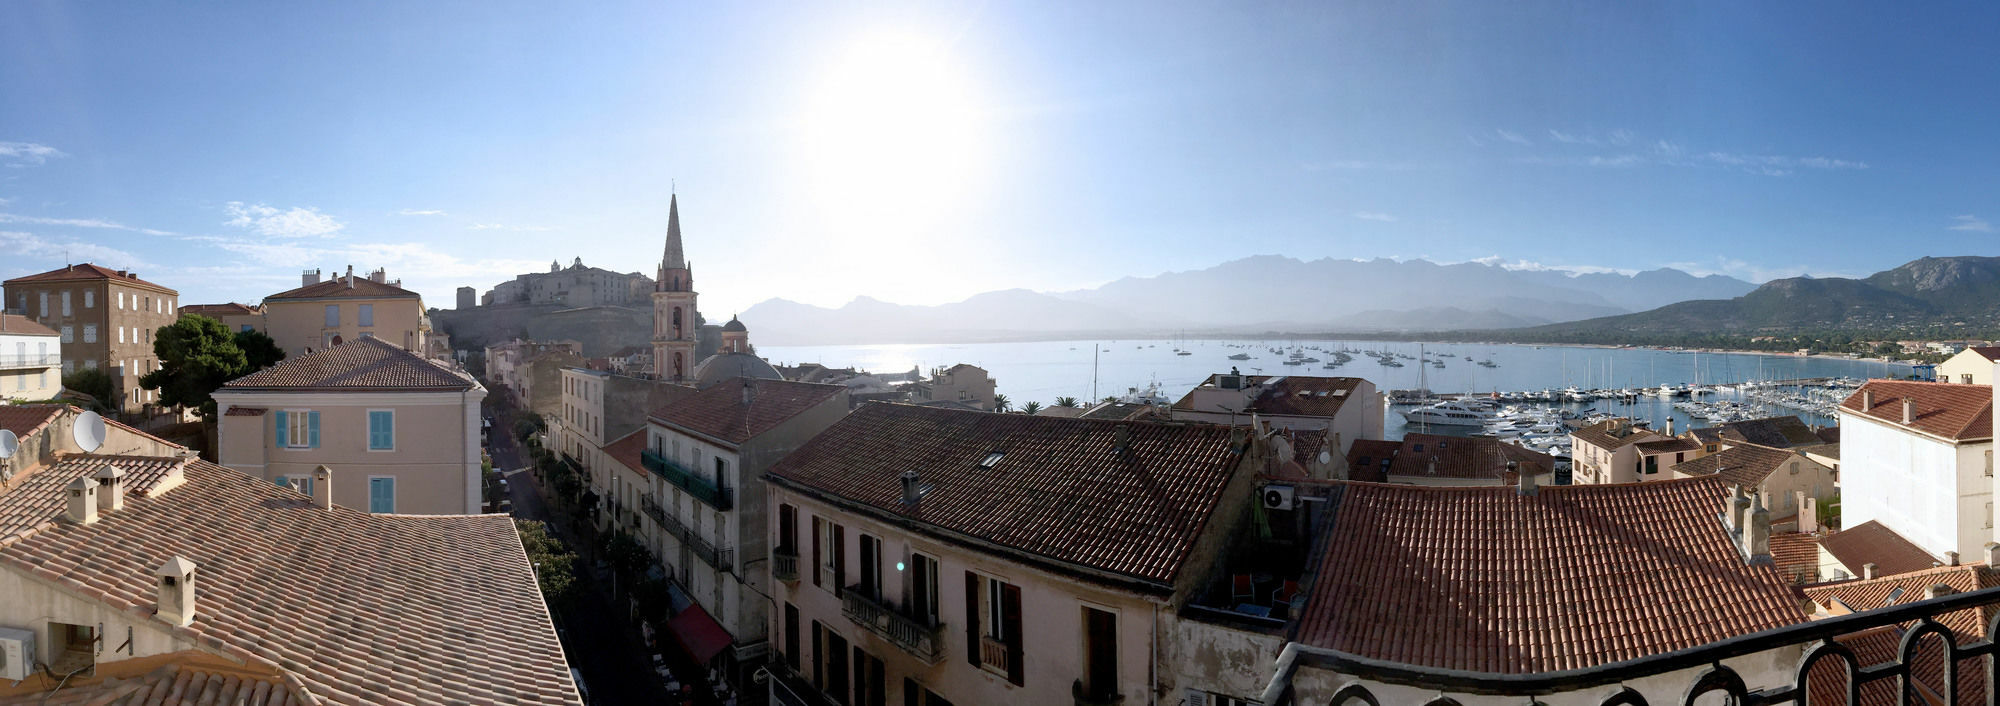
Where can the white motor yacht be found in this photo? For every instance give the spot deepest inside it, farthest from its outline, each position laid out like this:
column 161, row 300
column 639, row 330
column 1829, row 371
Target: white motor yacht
column 1449, row 413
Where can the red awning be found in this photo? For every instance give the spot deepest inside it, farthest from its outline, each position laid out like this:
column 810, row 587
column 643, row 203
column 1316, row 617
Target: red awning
column 699, row 634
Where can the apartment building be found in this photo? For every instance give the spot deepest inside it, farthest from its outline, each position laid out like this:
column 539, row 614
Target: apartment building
column 1346, row 409
column 963, row 383
column 937, row 556
column 1918, row 458
column 105, row 318
column 403, row 430
column 139, row 572
column 1787, row 480
column 321, row 314
column 1972, row 366
column 235, row 317
column 30, row 359
column 1609, row 452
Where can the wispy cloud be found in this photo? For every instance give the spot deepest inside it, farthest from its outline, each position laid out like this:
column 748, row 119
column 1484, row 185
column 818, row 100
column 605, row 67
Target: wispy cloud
column 1513, row 137
column 1375, row 216
column 417, row 212
column 1615, row 138
column 1970, row 222
column 21, row 154
column 29, row 246
column 504, row 226
column 1358, row 164
column 1532, row 266
column 296, row 222
column 1752, row 272
column 77, row 223
column 1672, row 154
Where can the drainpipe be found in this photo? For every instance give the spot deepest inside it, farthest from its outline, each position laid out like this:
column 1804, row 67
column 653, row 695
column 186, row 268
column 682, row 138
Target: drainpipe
column 1153, row 670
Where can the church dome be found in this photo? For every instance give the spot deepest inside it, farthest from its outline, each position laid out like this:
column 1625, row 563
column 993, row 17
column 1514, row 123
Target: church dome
column 734, row 325
column 729, row 366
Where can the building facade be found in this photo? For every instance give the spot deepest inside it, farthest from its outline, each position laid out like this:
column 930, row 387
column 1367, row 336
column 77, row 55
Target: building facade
column 576, row 285
column 106, row 320
column 235, row 317
column 963, row 383
column 30, row 359
column 403, row 430
column 322, row 314
column 1918, row 458
column 1346, row 409
column 675, row 321
column 1609, row 452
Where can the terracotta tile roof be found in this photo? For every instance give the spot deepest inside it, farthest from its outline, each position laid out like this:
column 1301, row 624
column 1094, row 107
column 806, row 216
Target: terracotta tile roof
column 1742, row 464
column 1882, row 644
column 360, row 364
column 1707, row 435
column 1831, row 451
column 1306, row 444
column 1290, row 395
column 87, row 271
column 1672, row 445
column 190, row 678
column 1369, row 459
column 356, row 607
column 626, row 450
column 220, row 310
column 18, row 325
column 36, row 496
column 1467, row 458
column 1119, row 410
column 1777, row 432
column 25, row 420
column 1567, row 578
column 1953, row 411
column 1058, row 490
column 1988, row 352
column 337, row 288
column 245, row 412
column 1797, row 555
column 1872, row 542
column 1829, row 435
column 720, row 412
column 1614, row 434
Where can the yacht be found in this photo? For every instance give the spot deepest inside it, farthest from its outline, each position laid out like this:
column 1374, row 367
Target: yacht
column 1448, row 414
column 1240, row 356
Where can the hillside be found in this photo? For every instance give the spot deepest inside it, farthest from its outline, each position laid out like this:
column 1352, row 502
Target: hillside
column 601, row 329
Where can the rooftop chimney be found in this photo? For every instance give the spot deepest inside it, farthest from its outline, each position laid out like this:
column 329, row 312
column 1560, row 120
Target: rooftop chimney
column 176, row 591
column 910, row 491
column 381, row 274
column 1733, row 512
column 1759, row 544
column 1808, row 512
column 1993, row 554
column 1867, row 400
column 110, row 489
column 323, row 487
column 309, row 278
column 1121, row 437
column 1670, row 426
column 749, row 391
column 82, row 502
column 1909, row 411
column 1951, row 558
column 1526, row 476
column 1868, row 570
column 1940, row 590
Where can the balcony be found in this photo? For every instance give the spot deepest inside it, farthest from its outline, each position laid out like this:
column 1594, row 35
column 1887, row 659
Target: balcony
column 1875, row 653
column 722, row 558
column 921, row 641
column 992, row 654
column 785, row 564
column 701, row 488
column 12, row 361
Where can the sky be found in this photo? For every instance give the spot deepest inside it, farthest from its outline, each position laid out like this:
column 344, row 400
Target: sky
column 925, row 152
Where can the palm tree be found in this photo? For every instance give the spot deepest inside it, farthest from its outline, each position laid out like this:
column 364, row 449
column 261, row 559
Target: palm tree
column 1065, row 401
column 1031, row 407
column 1001, row 403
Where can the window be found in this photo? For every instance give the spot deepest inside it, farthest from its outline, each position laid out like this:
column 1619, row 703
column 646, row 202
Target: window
column 993, row 626
column 298, row 429
column 366, row 317
column 45, row 305
column 332, row 315
column 1100, row 654
column 792, row 635
column 90, row 333
column 121, row 334
column 868, row 680
column 381, row 494
column 721, row 472
column 248, row 327
column 1989, row 463
column 830, row 659
column 68, row 334
column 788, row 529
column 381, row 430
column 65, row 303
column 298, row 481
column 922, row 601
column 89, row 299
column 871, row 567
column 121, row 300
column 1966, row 378
column 69, row 366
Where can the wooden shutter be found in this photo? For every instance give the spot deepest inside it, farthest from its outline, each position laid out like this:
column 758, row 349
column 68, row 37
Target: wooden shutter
column 312, row 429
column 818, row 561
column 284, row 430
column 819, row 657
column 1010, row 603
column 972, row 618
column 839, row 559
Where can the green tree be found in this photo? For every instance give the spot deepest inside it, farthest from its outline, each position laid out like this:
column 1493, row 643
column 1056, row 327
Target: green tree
column 197, row 355
column 259, row 351
column 1066, row 402
column 1031, row 407
column 1001, row 403
column 627, row 555
column 93, row 382
column 528, row 425
column 555, row 566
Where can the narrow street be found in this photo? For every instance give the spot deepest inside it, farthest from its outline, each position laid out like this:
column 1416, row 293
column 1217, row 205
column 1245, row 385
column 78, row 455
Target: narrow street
column 600, row 640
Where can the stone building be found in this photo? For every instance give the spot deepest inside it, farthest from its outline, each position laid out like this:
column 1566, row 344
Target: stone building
column 576, row 285
column 105, row 318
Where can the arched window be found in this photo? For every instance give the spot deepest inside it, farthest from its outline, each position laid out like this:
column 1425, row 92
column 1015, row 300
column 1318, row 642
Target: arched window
column 677, row 365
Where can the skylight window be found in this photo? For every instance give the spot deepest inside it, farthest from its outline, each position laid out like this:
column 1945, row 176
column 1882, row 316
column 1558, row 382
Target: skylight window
column 991, row 459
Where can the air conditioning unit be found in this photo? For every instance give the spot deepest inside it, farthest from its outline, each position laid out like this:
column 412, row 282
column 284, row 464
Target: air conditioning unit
column 1278, row 497
column 17, row 653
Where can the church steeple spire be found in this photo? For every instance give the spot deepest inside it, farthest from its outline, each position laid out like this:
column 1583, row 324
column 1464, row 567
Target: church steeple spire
column 673, row 259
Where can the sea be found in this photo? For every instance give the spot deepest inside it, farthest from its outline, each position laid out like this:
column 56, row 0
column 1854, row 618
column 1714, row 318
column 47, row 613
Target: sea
column 1042, row 371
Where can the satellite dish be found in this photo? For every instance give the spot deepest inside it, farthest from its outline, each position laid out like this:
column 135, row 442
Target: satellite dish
column 88, row 431
column 1324, row 457
column 8, row 445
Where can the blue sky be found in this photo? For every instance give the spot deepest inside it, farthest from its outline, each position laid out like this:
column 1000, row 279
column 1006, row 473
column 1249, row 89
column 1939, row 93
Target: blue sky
column 921, row 153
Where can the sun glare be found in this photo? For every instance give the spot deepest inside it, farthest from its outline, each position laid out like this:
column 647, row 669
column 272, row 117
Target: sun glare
column 894, row 136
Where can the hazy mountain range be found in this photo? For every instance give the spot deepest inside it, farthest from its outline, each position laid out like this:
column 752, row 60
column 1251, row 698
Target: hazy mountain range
column 1250, row 295
column 1933, row 291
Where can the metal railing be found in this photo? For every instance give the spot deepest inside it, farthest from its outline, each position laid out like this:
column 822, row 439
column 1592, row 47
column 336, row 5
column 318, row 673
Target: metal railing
column 722, row 558
column 785, row 564
column 701, row 488
column 1913, row 627
column 30, row 360
column 925, row 642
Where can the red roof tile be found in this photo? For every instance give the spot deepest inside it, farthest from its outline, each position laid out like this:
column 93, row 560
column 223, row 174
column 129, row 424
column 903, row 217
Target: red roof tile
column 357, row 365
column 1614, row 434
column 1797, row 555
column 626, row 450
column 1487, row 579
column 721, row 412
column 25, row 420
column 36, row 496
column 1672, row 445
column 1290, row 395
column 359, row 608
column 1782, row 432
column 18, row 325
column 185, row 681
column 1464, row 458
column 1058, row 490
column 1743, row 464
column 1872, row 542
column 1950, row 410
column 1370, row 459
column 220, row 310
column 337, row 288
column 87, row 271
column 1987, row 352
column 1883, row 644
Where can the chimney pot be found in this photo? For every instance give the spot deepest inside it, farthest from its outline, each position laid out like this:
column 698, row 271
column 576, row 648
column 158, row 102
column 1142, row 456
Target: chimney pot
column 1868, row 570
column 1525, row 476
column 1867, row 400
column 323, row 487
column 111, row 489
column 910, row 489
column 82, row 502
column 1120, row 438
column 1760, row 533
column 1909, row 411
column 1951, row 558
column 1941, row 590
column 1993, row 554
column 176, row 581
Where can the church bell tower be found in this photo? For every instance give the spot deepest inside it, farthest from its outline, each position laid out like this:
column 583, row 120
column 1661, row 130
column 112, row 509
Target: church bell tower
column 674, row 323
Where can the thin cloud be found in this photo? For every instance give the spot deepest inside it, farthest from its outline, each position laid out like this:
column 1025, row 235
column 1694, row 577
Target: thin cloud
column 503, row 226
column 77, row 223
column 1532, row 266
column 19, row 245
column 296, row 222
column 22, row 154
column 416, row 212
column 1970, row 222
column 1513, row 137
column 1666, row 153
column 1375, row 216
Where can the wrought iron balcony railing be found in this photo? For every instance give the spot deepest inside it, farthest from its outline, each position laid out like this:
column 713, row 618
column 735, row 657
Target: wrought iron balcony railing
column 785, row 564
column 30, row 360
column 922, row 641
column 1914, row 675
column 695, row 485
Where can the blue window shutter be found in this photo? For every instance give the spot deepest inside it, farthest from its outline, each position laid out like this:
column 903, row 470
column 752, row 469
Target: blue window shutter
column 284, row 429
column 381, row 495
column 381, row 430
column 312, row 429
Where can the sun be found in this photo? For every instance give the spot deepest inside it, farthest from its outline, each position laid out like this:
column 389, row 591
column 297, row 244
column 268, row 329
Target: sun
column 895, row 136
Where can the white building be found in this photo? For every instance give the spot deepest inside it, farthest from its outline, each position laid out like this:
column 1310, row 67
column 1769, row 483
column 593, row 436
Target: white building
column 1972, row 366
column 1918, row 457
column 1346, row 408
column 30, row 359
